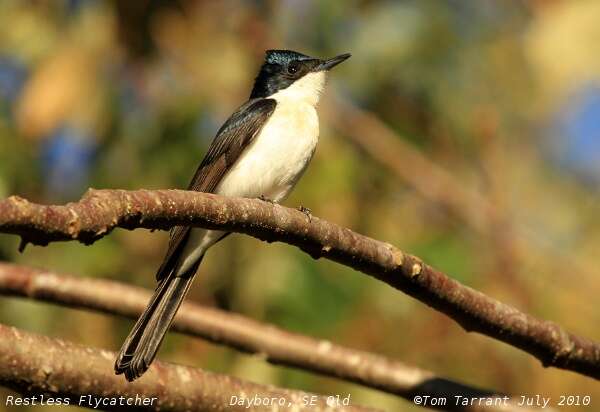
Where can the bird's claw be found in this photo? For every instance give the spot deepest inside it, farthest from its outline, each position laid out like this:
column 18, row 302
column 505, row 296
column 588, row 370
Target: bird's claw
column 307, row 212
column 266, row 199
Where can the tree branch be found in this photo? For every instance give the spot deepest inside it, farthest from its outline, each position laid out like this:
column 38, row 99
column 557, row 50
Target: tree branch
column 276, row 345
column 411, row 166
column 100, row 211
column 61, row 369
column 436, row 184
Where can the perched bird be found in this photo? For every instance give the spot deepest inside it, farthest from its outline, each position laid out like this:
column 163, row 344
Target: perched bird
column 260, row 152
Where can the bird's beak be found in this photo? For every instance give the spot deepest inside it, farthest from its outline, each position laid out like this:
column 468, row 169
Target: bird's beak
column 330, row 63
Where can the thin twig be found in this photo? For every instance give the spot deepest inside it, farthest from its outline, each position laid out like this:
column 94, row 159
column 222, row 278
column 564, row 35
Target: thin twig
column 413, row 167
column 437, row 185
column 100, row 211
column 275, row 345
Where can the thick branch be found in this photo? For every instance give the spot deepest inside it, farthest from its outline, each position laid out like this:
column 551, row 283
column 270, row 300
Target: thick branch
column 101, row 211
column 276, row 345
column 54, row 367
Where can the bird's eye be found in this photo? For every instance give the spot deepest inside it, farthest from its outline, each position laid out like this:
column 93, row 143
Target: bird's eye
column 293, row 68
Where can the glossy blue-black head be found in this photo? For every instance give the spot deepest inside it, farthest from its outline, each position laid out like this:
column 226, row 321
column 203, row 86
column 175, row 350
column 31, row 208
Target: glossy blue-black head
column 283, row 67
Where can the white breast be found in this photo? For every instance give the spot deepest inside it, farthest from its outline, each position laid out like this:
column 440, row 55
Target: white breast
column 272, row 164
column 277, row 157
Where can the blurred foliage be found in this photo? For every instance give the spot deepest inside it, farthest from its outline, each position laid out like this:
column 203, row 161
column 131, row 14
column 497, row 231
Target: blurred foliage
column 503, row 95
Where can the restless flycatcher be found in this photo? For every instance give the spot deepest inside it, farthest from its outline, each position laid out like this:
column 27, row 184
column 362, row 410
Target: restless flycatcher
column 260, row 151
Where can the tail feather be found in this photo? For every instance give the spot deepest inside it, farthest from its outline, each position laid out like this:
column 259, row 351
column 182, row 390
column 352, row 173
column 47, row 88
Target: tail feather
column 143, row 342
column 131, row 342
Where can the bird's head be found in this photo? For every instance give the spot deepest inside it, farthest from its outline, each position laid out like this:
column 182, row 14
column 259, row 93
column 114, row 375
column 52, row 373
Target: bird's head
column 287, row 74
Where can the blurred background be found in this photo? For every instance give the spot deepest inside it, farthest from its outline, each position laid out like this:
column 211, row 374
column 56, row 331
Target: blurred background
column 467, row 133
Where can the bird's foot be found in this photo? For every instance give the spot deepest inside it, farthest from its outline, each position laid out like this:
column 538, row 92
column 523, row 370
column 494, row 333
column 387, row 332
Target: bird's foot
column 307, row 212
column 266, row 199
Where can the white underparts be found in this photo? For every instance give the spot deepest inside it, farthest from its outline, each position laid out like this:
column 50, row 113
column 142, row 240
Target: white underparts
column 275, row 160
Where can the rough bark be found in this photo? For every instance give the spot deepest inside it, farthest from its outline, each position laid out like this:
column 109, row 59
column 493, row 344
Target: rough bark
column 59, row 369
column 100, row 211
column 275, row 345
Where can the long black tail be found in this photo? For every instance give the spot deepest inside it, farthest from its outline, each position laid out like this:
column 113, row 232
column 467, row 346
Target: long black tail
column 143, row 342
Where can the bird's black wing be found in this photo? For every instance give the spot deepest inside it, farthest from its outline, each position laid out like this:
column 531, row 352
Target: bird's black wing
column 231, row 140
